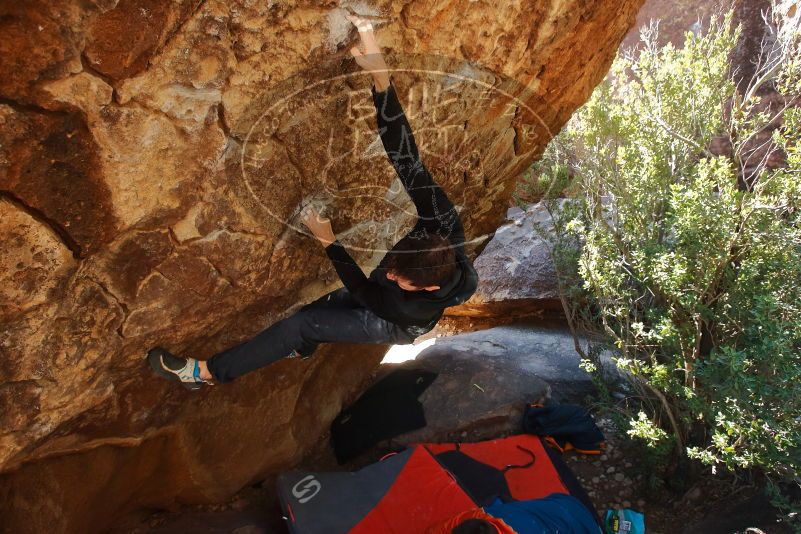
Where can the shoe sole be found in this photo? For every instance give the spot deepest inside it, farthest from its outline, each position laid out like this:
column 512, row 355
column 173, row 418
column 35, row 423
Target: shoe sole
column 154, row 360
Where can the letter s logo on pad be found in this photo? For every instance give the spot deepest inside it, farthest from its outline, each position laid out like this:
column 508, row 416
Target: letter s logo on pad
column 306, row 488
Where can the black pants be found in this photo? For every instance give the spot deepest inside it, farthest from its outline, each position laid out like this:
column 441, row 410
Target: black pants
column 336, row 317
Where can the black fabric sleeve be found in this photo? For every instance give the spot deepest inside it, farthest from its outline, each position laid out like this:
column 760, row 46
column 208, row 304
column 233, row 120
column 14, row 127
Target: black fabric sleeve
column 366, row 291
column 435, row 210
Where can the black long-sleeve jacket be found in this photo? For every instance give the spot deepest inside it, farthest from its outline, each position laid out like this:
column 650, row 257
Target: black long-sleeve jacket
column 436, row 213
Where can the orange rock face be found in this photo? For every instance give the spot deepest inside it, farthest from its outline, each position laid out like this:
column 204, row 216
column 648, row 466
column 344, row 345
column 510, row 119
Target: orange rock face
column 153, row 156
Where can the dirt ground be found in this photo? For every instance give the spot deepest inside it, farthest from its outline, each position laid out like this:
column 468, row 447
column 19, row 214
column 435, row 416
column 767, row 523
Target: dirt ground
column 711, row 505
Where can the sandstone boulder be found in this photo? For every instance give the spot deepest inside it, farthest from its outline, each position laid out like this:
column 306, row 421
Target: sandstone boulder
column 152, row 158
column 517, row 277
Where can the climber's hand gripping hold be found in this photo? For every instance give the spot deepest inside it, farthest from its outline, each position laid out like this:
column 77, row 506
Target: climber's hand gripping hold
column 318, row 226
column 368, row 55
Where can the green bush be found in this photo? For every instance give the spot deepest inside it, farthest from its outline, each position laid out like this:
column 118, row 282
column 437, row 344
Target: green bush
column 689, row 261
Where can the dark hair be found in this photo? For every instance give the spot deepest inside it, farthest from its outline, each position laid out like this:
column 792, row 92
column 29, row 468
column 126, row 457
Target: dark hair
column 424, row 261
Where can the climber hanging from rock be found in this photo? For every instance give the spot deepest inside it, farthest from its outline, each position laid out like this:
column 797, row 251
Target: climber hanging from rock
column 403, row 298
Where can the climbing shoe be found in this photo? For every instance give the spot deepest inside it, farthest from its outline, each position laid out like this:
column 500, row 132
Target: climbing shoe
column 175, row 368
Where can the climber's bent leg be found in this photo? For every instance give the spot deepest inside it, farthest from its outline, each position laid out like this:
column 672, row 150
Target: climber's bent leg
column 302, row 332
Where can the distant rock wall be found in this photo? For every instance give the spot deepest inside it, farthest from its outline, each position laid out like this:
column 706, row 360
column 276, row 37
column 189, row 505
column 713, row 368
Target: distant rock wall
column 675, row 18
column 152, row 157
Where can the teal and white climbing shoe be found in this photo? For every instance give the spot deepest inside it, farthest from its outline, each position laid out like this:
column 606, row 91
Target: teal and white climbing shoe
column 176, row 368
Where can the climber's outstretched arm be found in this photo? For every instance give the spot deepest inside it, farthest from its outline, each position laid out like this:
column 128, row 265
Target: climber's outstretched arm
column 361, row 288
column 436, row 212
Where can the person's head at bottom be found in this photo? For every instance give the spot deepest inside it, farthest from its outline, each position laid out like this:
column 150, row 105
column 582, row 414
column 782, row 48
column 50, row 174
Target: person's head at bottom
column 421, row 264
column 475, row 526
